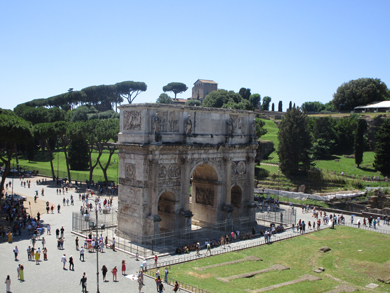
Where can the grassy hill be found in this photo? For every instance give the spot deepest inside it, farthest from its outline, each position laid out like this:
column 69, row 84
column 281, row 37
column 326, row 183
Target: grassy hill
column 271, row 135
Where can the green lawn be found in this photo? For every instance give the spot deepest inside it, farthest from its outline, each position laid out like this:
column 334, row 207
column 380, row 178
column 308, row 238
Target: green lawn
column 271, row 135
column 344, row 264
column 348, row 165
column 43, row 166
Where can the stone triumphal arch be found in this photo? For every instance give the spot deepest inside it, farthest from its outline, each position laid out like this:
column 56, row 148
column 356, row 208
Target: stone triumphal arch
column 180, row 165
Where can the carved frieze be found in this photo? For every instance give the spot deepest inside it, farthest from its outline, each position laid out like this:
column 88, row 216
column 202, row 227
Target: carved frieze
column 174, row 171
column 204, row 196
column 173, row 122
column 130, row 171
column 133, row 182
column 132, row 120
column 162, row 171
column 169, row 182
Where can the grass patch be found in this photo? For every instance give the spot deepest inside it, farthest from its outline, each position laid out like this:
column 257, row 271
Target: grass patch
column 271, row 135
column 301, row 255
column 41, row 164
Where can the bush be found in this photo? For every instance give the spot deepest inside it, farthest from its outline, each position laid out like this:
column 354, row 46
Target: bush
column 261, row 173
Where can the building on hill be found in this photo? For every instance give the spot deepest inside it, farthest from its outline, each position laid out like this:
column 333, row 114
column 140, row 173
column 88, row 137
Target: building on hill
column 179, row 101
column 383, row 106
column 202, row 87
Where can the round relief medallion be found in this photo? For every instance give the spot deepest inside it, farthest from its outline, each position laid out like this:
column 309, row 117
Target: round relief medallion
column 174, row 171
column 241, row 167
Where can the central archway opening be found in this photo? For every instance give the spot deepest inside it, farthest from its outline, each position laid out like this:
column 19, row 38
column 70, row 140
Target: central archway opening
column 236, row 198
column 166, row 211
column 204, row 195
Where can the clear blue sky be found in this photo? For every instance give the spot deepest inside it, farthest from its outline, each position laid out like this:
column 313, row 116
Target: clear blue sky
column 289, row 50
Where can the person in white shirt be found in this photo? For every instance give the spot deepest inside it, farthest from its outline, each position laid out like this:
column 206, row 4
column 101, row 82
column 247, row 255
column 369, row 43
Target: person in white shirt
column 63, row 259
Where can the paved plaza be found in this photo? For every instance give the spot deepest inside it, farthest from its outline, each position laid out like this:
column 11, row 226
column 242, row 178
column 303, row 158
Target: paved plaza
column 49, row 276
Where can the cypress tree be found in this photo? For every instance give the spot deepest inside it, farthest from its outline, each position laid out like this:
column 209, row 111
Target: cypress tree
column 359, row 141
column 382, row 148
column 294, row 142
column 280, row 107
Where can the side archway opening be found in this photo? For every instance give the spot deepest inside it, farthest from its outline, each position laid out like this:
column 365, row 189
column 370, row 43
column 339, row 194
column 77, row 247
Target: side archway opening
column 166, row 211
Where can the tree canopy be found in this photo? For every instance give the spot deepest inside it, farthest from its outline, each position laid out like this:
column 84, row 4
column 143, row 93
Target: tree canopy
column 358, row 92
column 245, row 93
column 255, row 100
column 226, row 99
column 175, row 87
column 164, row 99
column 193, row 103
column 312, row 107
column 129, row 90
column 266, row 102
column 14, row 130
column 294, row 142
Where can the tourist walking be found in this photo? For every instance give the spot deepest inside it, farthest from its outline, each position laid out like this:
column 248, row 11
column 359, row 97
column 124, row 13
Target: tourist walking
column 82, row 253
column 77, row 243
column 176, row 287
column 114, row 277
column 158, row 282
column 29, row 253
column 160, row 287
column 83, row 283
column 45, row 253
column 166, row 272
column 43, row 242
column 123, row 267
column 63, row 260
column 71, row 264
column 155, row 260
column 208, row 248
column 36, row 258
column 140, row 284
column 104, row 271
column 21, row 273
column 8, row 284
column 16, row 251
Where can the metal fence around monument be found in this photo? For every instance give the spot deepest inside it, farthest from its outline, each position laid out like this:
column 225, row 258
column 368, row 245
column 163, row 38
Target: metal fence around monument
column 164, row 242
column 277, row 216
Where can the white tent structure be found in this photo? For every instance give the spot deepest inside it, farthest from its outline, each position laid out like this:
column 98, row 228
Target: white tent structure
column 383, row 106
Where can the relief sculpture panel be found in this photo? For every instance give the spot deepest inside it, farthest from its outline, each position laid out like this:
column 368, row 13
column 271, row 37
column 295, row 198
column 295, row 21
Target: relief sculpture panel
column 162, row 171
column 132, row 120
column 205, row 196
column 130, row 171
column 173, row 122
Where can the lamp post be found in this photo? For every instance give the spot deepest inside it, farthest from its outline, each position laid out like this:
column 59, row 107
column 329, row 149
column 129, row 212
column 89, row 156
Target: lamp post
column 97, row 250
column 58, row 164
